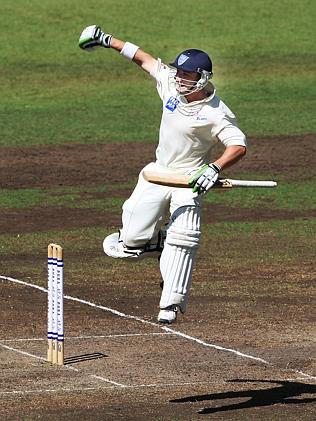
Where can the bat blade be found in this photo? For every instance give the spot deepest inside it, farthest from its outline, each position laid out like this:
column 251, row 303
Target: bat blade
column 167, row 179
column 182, row 181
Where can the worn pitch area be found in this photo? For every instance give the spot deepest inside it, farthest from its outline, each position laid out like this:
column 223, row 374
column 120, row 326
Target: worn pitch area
column 122, row 365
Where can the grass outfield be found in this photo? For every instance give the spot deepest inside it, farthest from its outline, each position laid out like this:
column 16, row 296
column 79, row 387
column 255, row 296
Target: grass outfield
column 52, row 92
column 254, row 279
column 55, row 93
column 288, row 196
column 296, row 240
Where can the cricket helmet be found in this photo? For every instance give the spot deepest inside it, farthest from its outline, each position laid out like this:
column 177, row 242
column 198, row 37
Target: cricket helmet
column 195, row 61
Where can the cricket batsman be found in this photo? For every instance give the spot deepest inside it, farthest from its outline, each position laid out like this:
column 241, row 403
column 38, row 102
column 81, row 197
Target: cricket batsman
column 193, row 119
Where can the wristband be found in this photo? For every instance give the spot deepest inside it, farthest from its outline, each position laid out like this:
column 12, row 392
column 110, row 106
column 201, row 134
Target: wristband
column 129, row 50
column 216, row 166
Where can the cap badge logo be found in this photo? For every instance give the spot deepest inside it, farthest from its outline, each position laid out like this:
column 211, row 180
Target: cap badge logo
column 182, row 59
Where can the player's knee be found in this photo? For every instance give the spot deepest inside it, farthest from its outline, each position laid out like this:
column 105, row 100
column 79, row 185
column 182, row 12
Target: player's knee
column 184, row 228
column 183, row 237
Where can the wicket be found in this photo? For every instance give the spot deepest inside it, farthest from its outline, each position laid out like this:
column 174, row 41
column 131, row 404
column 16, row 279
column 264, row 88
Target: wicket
column 55, row 315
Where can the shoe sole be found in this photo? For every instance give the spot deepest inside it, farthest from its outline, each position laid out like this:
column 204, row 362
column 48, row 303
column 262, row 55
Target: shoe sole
column 165, row 321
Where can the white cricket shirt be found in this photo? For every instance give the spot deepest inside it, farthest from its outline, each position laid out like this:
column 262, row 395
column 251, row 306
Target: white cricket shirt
column 186, row 141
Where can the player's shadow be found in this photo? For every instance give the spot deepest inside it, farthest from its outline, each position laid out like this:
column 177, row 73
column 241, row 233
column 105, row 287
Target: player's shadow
column 84, row 357
column 287, row 392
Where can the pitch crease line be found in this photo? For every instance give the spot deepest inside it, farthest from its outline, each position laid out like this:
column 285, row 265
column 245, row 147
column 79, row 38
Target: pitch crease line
column 103, row 379
column 87, row 389
column 139, row 319
column 9, row 348
column 28, row 354
column 128, row 316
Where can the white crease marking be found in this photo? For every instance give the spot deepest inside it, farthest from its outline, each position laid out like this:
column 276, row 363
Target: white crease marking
column 22, row 352
column 103, row 379
column 113, row 386
column 139, row 319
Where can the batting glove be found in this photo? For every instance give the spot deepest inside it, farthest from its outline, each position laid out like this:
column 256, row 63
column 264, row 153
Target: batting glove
column 93, row 37
column 204, row 178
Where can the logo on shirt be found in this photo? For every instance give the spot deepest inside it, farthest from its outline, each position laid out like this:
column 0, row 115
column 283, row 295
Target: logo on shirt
column 172, row 103
column 201, row 118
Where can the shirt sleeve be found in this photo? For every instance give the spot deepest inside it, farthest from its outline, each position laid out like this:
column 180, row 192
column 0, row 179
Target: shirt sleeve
column 155, row 70
column 231, row 135
column 160, row 72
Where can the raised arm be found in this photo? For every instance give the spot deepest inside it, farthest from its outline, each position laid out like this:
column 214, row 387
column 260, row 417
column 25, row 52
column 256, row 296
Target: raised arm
column 93, row 37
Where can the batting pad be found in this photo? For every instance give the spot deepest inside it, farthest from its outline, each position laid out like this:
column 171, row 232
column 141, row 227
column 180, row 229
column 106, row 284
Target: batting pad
column 176, row 266
column 178, row 256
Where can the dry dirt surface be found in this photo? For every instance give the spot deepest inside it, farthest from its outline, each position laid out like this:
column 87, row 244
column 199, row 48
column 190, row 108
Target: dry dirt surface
column 282, row 159
column 80, row 165
column 231, row 357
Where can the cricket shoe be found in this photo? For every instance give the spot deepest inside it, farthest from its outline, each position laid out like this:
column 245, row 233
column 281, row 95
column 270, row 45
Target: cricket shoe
column 168, row 315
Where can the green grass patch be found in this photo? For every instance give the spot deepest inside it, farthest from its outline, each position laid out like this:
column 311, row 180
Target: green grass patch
column 287, row 196
column 21, row 198
column 272, row 246
column 290, row 196
column 71, row 197
column 248, row 235
column 52, row 92
column 297, row 227
column 267, row 242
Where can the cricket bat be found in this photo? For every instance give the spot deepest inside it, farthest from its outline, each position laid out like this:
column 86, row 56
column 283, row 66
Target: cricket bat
column 177, row 180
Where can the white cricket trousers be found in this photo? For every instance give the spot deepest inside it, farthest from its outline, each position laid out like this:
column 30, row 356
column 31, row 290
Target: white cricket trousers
column 148, row 208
